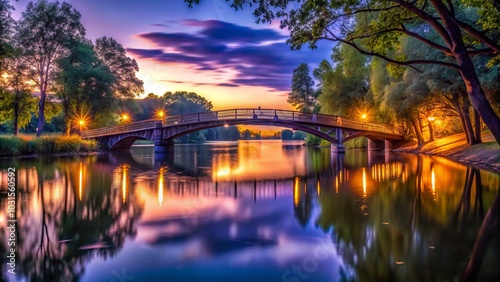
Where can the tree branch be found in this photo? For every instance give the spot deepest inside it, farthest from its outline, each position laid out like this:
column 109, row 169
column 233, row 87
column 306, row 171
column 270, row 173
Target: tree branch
column 428, row 18
column 370, row 53
column 442, row 48
column 478, row 35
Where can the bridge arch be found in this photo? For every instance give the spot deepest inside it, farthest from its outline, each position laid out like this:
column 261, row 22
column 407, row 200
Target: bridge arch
column 277, row 123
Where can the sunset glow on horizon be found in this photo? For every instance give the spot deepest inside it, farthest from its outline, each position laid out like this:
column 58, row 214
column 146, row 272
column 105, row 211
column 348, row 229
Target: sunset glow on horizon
column 219, row 53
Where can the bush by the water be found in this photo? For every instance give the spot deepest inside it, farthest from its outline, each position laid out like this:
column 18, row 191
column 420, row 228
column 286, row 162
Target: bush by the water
column 29, row 145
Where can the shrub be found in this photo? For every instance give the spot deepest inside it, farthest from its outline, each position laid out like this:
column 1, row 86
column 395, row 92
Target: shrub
column 27, row 145
column 10, row 146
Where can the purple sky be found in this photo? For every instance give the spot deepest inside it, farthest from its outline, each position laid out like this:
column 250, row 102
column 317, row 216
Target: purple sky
column 211, row 49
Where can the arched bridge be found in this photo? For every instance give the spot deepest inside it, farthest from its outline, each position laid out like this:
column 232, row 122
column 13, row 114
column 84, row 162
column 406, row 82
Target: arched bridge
column 335, row 129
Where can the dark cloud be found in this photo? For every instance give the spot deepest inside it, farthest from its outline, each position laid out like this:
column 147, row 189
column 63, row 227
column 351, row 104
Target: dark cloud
column 231, row 33
column 258, row 56
column 227, row 84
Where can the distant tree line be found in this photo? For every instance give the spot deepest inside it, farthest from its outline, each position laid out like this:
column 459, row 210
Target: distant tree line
column 46, row 50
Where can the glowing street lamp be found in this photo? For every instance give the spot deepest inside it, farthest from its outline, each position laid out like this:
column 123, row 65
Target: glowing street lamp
column 81, row 123
column 160, row 114
column 125, row 118
column 363, row 116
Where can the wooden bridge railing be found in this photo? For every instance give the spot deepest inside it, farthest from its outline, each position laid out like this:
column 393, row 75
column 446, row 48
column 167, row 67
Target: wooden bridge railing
column 133, row 126
column 268, row 114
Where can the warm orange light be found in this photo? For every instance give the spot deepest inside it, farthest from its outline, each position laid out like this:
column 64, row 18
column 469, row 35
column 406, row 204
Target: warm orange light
column 431, row 118
column 296, row 191
column 125, row 117
column 160, row 185
column 160, row 114
column 363, row 116
column 81, row 122
column 124, row 182
column 364, row 182
column 80, row 182
column 225, row 125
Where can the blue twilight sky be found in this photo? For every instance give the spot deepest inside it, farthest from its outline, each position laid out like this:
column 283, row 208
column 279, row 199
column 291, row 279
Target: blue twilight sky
column 210, row 49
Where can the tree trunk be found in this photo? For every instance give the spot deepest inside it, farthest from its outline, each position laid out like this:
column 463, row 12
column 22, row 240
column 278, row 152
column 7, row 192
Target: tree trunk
column 41, row 113
column 477, row 127
column 16, row 116
column 468, row 123
column 431, row 130
column 477, row 96
column 467, row 70
column 418, row 133
column 456, row 104
column 486, row 232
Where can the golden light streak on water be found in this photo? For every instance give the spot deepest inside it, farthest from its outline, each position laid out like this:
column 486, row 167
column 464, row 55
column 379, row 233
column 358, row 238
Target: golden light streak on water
column 433, row 182
column 80, row 181
column 160, row 186
column 124, row 183
column 336, row 184
column 296, row 191
column 318, row 188
column 364, row 181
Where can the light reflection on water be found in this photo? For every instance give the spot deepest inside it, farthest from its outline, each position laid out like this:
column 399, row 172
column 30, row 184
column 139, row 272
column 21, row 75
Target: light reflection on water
column 249, row 211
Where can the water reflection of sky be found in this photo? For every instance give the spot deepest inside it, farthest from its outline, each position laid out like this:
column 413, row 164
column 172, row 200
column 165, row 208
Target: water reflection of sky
column 251, row 211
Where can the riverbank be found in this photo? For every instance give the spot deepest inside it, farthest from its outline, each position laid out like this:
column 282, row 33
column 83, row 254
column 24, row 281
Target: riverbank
column 485, row 155
column 26, row 145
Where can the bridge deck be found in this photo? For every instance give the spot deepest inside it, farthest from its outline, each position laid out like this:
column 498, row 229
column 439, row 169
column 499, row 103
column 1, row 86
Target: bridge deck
column 246, row 114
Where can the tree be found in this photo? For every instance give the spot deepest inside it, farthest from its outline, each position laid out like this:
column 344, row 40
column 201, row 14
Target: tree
column 302, row 92
column 43, row 30
column 465, row 28
column 183, row 102
column 123, row 68
column 287, row 134
column 83, row 84
column 16, row 102
column 344, row 88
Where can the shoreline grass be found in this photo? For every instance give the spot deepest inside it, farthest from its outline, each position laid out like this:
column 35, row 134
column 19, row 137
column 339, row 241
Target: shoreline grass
column 25, row 145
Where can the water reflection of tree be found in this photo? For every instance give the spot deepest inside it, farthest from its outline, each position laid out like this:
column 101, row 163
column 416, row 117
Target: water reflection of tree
column 302, row 208
column 406, row 231
column 100, row 216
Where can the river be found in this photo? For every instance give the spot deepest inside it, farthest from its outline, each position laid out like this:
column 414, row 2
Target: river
column 248, row 211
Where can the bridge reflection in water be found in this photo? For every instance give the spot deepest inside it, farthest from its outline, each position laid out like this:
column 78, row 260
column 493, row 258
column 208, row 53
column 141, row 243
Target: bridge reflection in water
column 75, row 212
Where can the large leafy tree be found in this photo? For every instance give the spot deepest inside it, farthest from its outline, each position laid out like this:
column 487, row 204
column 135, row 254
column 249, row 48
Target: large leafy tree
column 465, row 29
column 84, row 84
column 123, row 68
column 43, row 31
column 344, row 88
column 183, row 102
column 16, row 102
column 302, row 94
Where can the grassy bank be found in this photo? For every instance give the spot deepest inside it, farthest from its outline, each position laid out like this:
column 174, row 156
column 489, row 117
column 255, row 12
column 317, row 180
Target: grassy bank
column 11, row 146
column 455, row 147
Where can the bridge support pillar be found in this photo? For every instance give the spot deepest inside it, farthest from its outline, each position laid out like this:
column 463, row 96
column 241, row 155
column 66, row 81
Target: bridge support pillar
column 338, row 148
column 375, row 145
column 164, row 146
column 387, row 146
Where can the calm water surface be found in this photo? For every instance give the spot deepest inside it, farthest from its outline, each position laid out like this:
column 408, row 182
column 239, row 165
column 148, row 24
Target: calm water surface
column 248, row 211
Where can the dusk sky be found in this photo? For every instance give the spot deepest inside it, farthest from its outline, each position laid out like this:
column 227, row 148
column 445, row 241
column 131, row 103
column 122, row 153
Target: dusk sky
column 210, row 49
